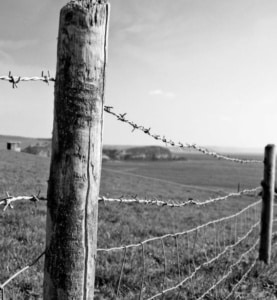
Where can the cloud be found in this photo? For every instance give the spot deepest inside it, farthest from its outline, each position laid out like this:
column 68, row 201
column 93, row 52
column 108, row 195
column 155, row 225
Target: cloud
column 161, row 93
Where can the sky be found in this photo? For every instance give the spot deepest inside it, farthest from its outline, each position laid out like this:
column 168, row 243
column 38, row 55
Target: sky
column 196, row 71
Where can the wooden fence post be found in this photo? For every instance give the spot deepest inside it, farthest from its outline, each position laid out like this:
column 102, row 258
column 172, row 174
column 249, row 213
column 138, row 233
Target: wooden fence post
column 72, row 208
column 268, row 184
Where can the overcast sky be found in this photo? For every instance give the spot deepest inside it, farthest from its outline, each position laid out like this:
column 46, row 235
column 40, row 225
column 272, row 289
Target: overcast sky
column 197, row 71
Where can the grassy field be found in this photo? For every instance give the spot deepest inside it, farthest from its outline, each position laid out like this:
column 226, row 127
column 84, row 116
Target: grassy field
column 164, row 262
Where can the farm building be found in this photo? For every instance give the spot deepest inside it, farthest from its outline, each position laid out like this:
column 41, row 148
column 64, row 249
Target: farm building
column 14, row 146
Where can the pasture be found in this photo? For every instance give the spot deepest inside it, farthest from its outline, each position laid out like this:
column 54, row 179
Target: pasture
column 199, row 178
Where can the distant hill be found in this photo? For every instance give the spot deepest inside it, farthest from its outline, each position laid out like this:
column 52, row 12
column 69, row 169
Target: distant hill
column 25, row 141
column 43, row 147
column 146, row 153
column 40, row 149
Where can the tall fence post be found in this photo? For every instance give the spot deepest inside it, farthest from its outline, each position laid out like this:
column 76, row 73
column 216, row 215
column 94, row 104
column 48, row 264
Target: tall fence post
column 72, row 208
column 268, row 184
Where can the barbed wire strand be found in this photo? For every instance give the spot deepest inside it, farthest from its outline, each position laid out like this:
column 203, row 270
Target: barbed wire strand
column 14, row 80
column 7, row 202
column 180, row 233
column 186, row 203
column 203, row 150
column 190, row 277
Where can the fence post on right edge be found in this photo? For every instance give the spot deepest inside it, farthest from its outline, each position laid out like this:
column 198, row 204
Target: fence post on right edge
column 267, row 204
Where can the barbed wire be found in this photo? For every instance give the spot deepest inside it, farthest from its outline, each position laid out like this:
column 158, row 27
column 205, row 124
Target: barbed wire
column 207, row 263
column 180, row 233
column 7, row 202
column 170, row 203
column 147, row 131
column 14, row 80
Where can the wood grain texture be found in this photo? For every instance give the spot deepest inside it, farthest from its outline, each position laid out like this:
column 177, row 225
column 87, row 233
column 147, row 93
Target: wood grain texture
column 72, row 209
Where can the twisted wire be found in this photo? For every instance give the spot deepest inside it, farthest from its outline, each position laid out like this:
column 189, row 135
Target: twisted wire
column 7, row 202
column 147, row 131
column 180, row 233
column 207, row 263
column 169, row 203
column 14, row 80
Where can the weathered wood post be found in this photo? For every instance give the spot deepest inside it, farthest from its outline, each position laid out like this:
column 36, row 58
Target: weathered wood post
column 72, row 208
column 267, row 204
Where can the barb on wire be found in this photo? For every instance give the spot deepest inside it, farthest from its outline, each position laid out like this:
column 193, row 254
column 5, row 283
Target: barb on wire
column 122, row 118
column 7, row 202
column 180, row 233
column 14, row 80
column 170, row 203
column 207, row 263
